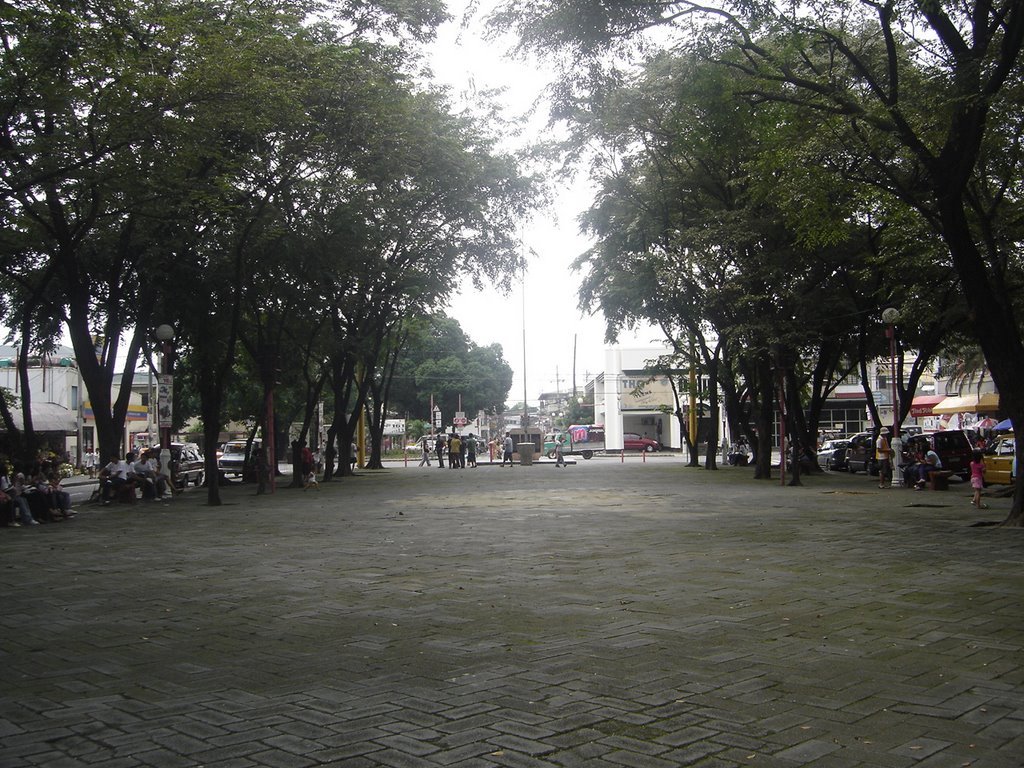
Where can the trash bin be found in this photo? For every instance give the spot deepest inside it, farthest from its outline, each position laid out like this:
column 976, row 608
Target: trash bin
column 526, row 453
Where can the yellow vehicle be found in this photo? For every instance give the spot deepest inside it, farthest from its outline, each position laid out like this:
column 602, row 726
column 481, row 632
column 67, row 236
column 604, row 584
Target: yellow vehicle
column 1001, row 461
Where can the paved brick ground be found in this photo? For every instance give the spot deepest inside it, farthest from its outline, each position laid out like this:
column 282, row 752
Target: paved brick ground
column 608, row 614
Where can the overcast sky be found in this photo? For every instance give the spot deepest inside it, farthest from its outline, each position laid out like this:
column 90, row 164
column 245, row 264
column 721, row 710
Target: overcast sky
column 553, row 324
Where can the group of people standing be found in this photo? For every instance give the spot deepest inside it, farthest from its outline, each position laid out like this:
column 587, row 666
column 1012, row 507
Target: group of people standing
column 461, row 451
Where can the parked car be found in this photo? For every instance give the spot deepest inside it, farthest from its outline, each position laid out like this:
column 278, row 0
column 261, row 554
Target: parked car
column 860, row 455
column 832, row 454
column 952, row 445
column 232, row 460
column 187, row 464
column 1001, row 461
column 634, row 442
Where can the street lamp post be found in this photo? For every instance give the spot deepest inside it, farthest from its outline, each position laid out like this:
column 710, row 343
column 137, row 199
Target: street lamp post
column 165, row 390
column 889, row 316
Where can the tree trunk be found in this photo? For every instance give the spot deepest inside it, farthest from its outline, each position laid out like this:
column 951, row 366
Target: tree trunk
column 995, row 324
column 28, row 434
column 714, row 414
column 209, row 405
column 298, row 480
column 793, row 425
column 765, row 416
column 330, row 452
column 684, row 430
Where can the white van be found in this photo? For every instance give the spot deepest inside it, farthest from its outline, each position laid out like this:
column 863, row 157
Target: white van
column 232, row 460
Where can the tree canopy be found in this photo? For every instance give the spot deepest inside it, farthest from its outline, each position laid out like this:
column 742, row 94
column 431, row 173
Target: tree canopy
column 278, row 157
column 900, row 116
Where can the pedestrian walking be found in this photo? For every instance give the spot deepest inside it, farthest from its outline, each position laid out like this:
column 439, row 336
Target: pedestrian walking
column 506, row 453
column 560, row 452
column 425, row 451
column 89, row 459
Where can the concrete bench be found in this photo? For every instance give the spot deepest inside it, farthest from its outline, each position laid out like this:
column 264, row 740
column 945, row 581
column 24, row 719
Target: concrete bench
column 939, row 480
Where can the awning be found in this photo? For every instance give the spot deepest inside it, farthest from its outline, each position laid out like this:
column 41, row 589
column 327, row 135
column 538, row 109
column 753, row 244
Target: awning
column 987, row 402
column 47, row 417
column 922, row 405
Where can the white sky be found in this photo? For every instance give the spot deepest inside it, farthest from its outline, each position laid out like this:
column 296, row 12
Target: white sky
column 553, row 324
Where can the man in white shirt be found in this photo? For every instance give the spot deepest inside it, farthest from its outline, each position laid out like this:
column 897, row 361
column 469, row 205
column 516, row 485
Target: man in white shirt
column 115, row 475
column 147, row 478
column 89, row 463
column 164, row 484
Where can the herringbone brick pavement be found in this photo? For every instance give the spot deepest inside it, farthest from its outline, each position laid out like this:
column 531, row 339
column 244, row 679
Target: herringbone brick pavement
column 638, row 614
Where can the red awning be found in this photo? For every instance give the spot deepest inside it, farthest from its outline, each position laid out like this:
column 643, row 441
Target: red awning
column 923, row 404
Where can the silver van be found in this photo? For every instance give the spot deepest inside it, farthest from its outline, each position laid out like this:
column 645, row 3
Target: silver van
column 232, row 460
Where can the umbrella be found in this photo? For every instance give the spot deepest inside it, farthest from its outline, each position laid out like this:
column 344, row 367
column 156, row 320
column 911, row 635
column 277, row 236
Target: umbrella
column 1003, row 425
column 986, row 423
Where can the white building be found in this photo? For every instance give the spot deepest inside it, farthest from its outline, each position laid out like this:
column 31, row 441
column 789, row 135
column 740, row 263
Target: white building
column 55, row 391
column 938, row 404
column 61, row 414
column 629, row 400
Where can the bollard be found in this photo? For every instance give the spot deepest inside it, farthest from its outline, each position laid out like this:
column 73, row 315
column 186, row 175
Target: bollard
column 525, row 454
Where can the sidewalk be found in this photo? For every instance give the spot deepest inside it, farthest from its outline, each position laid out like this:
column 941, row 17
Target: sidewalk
column 607, row 614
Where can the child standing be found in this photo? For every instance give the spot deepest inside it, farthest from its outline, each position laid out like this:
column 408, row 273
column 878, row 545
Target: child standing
column 978, row 479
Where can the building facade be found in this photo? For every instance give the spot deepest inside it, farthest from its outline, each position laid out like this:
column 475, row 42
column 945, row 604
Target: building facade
column 61, row 413
column 628, row 400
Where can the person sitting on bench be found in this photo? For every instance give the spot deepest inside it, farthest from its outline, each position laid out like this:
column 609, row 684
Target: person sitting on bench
column 114, row 476
column 930, row 464
column 146, row 478
column 164, row 482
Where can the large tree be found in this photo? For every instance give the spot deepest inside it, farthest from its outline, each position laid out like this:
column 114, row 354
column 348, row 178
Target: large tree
column 276, row 154
column 438, row 204
column 920, row 99
column 443, row 366
column 689, row 238
column 84, row 89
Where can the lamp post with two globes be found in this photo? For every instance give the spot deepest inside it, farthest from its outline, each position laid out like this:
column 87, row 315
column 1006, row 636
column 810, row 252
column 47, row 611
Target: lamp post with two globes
column 890, row 315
